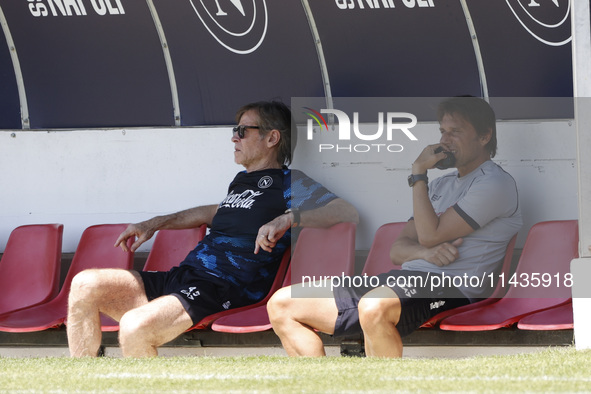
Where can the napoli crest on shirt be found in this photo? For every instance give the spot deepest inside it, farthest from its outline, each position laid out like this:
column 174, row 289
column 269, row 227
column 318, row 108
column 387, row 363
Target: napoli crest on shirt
column 265, row 182
column 240, row 26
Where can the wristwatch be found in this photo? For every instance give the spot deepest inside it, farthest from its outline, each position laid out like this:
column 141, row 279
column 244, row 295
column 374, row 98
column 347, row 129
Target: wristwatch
column 296, row 217
column 412, row 179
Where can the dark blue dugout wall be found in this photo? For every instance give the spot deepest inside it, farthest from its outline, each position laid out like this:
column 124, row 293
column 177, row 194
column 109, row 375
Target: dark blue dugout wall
column 526, row 50
column 223, row 62
column 101, row 63
column 418, row 51
column 90, row 70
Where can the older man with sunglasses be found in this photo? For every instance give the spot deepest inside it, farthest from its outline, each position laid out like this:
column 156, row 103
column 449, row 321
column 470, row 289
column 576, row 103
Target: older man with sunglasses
column 233, row 266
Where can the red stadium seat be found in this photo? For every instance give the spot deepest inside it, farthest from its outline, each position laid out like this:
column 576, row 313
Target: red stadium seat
column 169, row 249
column 557, row 318
column 378, row 260
column 318, row 252
column 549, row 248
column 499, row 291
column 250, row 320
column 323, row 252
column 30, row 266
column 95, row 250
column 172, row 246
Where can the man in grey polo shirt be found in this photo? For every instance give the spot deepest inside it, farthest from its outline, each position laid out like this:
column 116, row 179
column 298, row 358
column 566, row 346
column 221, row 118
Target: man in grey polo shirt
column 449, row 250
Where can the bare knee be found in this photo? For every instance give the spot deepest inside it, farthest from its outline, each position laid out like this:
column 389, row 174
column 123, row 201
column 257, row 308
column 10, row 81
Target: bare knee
column 85, row 286
column 288, row 312
column 279, row 306
column 375, row 311
column 133, row 326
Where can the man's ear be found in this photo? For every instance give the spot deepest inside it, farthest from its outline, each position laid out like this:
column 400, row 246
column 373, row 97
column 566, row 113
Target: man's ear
column 273, row 137
column 485, row 138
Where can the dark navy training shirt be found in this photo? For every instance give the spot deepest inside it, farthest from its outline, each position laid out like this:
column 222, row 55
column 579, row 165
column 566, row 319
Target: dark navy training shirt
column 253, row 200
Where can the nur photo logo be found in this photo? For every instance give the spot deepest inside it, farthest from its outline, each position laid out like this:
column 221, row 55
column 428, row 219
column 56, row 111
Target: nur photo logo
column 372, row 137
column 317, row 116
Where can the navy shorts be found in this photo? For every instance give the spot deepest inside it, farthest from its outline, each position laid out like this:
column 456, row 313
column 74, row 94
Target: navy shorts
column 418, row 301
column 201, row 294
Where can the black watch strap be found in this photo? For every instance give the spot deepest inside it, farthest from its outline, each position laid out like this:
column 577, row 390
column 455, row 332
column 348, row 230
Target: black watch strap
column 412, row 179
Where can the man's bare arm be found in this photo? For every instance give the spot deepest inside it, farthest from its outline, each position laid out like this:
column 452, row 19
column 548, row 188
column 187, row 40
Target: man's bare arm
column 143, row 231
column 433, row 229
column 336, row 211
column 407, row 248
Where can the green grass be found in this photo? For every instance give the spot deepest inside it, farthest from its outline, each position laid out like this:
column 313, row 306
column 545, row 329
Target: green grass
column 552, row 370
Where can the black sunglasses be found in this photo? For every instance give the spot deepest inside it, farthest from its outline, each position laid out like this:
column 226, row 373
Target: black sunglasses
column 241, row 129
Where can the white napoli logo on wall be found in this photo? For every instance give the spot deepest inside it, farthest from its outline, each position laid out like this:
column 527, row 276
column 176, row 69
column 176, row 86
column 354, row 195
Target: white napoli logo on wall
column 239, row 26
column 548, row 21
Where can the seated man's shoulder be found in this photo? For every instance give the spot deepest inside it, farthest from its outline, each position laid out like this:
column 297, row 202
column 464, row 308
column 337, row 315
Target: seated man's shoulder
column 296, row 173
column 497, row 175
column 492, row 168
column 298, row 176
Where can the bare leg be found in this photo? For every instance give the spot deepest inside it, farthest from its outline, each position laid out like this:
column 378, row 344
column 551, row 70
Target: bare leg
column 379, row 312
column 111, row 291
column 294, row 319
column 143, row 329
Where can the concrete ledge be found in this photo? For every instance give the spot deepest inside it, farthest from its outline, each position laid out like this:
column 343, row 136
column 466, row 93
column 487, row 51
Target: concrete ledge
column 331, row 351
column 421, row 343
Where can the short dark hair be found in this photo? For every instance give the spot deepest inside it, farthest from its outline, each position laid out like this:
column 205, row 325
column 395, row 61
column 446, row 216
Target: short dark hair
column 274, row 115
column 476, row 111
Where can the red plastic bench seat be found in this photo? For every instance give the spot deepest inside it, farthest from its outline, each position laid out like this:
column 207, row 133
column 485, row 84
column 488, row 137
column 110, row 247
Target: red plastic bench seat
column 557, row 318
column 95, row 250
column 318, row 252
column 548, row 250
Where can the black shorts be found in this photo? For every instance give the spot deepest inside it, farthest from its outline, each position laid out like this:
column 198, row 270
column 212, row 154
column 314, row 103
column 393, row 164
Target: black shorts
column 418, row 301
column 201, row 294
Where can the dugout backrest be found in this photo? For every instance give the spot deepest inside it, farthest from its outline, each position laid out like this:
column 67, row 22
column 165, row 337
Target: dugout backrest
column 318, row 252
column 378, row 260
column 549, row 248
column 30, row 266
column 170, row 247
